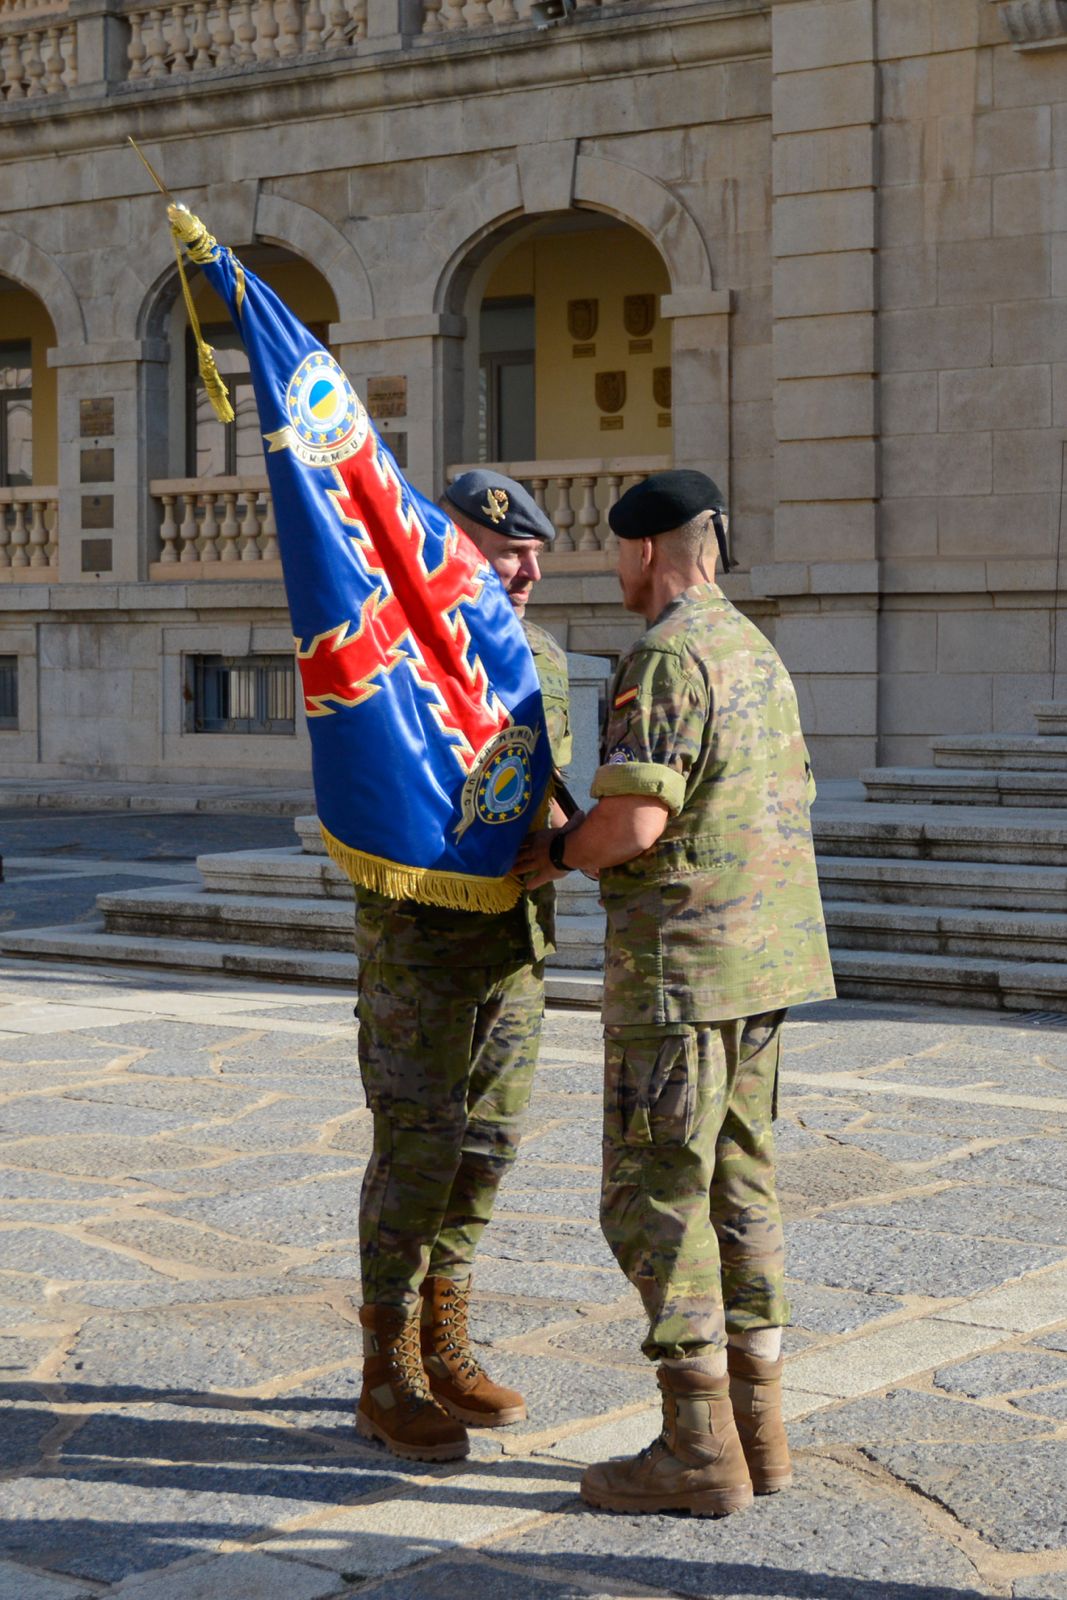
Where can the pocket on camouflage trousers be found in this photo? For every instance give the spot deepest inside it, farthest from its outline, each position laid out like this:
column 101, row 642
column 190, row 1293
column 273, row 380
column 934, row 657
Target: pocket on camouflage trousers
column 650, row 1088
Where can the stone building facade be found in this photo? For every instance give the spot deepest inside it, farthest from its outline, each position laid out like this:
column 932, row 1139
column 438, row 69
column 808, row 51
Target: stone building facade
column 825, row 247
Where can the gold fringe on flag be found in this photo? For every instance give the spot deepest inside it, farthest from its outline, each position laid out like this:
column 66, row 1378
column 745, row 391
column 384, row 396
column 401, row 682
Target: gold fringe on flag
column 453, row 890
column 190, row 231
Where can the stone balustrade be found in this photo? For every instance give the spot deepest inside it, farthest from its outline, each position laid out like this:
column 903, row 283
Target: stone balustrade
column 197, row 36
column 576, row 495
column 453, row 16
column 210, row 523
column 28, row 518
column 1034, row 24
column 38, row 51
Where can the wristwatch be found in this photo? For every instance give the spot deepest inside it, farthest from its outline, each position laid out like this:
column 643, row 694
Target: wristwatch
column 556, row 846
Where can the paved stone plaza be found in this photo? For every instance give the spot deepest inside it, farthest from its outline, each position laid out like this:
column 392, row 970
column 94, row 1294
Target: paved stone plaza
column 181, row 1164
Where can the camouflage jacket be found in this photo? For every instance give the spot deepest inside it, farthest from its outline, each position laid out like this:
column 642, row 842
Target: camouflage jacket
column 413, row 935
column 721, row 918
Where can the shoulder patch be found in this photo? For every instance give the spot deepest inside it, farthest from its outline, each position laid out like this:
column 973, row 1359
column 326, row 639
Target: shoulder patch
column 625, row 698
column 620, row 756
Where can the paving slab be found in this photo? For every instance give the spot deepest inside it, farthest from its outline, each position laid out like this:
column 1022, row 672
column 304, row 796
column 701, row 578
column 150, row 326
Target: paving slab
column 901, row 1261
column 486, row 1500
column 1004, row 1373
column 19, row 1583
column 907, row 1416
column 1011, row 1494
column 244, row 1575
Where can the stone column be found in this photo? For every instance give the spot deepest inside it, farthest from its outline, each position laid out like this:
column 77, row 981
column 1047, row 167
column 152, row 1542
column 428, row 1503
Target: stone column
column 102, row 34
column 825, row 572
column 399, row 367
column 588, row 675
column 112, row 441
column 700, row 379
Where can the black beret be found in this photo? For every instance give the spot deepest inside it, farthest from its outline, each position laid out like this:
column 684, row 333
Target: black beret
column 663, row 502
column 501, row 504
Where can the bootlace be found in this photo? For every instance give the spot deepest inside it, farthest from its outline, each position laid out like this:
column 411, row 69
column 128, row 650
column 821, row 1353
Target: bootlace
column 455, row 1338
column 405, row 1361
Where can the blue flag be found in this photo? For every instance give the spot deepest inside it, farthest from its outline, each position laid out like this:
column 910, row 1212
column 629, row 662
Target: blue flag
column 429, row 750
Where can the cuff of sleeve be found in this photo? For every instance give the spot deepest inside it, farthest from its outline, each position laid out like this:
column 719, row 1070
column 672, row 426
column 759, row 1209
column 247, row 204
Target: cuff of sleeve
column 646, row 778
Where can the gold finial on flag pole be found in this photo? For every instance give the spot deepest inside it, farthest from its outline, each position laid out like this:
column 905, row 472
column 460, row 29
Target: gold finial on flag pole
column 192, row 233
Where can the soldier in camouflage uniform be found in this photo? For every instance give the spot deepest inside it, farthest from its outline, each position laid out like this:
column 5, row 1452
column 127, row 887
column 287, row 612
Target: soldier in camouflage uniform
column 702, row 839
column 450, row 1008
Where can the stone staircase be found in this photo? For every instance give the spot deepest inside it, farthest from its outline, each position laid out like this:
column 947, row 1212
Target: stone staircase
column 946, row 884
column 283, row 913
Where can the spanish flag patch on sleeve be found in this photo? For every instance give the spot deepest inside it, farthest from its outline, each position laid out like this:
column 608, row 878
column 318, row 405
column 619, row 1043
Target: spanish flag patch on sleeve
column 625, row 698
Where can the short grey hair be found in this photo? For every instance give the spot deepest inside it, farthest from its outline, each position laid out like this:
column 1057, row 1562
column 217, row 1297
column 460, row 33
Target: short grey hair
column 691, row 542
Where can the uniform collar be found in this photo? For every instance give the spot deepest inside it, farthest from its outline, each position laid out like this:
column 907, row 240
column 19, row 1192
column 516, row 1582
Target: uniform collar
column 697, row 594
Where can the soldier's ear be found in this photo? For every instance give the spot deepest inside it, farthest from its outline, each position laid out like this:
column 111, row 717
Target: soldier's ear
column 648, row 550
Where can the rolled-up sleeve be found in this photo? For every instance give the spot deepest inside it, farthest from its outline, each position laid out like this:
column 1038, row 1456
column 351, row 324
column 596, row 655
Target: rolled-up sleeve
column 653, row 731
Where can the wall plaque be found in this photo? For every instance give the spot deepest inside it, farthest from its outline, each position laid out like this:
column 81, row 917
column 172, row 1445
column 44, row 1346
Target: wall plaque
column 609, row 424
column 663, row 420
column 387, row 397
column 582, row 319
column 98, row 466
column 639, row 314
column 97, row 417
column 398, row 444
column 583, row 349
column 661, row 387
column 98, row 510
column 640, row 347
column 96, row 555
column 610, row 390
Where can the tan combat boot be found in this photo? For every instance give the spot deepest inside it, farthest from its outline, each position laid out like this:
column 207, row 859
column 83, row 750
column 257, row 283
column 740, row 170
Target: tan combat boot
column 695, row 1465
column 457, row 1380
column 756, row 1396
column 396, row 1406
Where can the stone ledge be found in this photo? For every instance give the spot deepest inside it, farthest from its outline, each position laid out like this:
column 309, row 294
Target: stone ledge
column 1034, row 24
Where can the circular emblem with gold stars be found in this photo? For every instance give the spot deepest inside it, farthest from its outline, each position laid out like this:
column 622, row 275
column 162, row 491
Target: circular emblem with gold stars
column 327, row 421
column 504, row 791
column 499, row 787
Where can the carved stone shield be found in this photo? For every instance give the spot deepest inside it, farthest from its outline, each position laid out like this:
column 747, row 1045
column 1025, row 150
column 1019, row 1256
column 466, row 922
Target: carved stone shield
column 639, row 314
column 611, row 390
column 661, row 387
column 582, row 319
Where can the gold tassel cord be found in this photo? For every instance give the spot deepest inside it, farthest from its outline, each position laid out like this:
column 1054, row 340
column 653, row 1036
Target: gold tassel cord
column 189, row 231
column 453, row 890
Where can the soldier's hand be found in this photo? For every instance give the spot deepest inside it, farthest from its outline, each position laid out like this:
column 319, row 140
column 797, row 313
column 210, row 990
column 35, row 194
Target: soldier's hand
column 532, row 864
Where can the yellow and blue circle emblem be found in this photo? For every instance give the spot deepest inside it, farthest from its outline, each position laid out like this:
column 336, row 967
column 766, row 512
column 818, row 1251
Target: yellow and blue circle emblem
column 504, row 790
column 325, row 414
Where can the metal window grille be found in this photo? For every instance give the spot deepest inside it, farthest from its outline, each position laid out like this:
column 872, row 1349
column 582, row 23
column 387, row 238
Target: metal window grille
column 9, row 691
column 240, row 694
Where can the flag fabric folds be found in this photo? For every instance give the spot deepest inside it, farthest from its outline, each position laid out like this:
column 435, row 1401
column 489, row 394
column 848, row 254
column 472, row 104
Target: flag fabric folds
column 429, row 752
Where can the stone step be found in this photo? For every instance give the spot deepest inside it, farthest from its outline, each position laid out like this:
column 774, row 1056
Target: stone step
column 978, row 786
column 1001, row 936
column 1005, row 887
column 310, row 834
column 288, row 923
column 276, row 921
column 950, row 980
column 291, row 871
column 563, row 985
column 285, row 871
column 1001, row 752
column 943, row 833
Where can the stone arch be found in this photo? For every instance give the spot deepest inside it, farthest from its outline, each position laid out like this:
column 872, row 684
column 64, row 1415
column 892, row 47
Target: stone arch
column 270, row 219
column 31, row 268
column 309, row 235
column 625, row 193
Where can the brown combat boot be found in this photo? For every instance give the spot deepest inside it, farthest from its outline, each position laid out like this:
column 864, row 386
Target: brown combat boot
column 457, row 1380
column 695, row 1465
column 756, row 1396
column 396, row 1406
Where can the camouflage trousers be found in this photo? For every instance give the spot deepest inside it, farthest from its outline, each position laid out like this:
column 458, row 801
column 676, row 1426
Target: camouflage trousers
column 447, row 1057
column 688, row 1202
